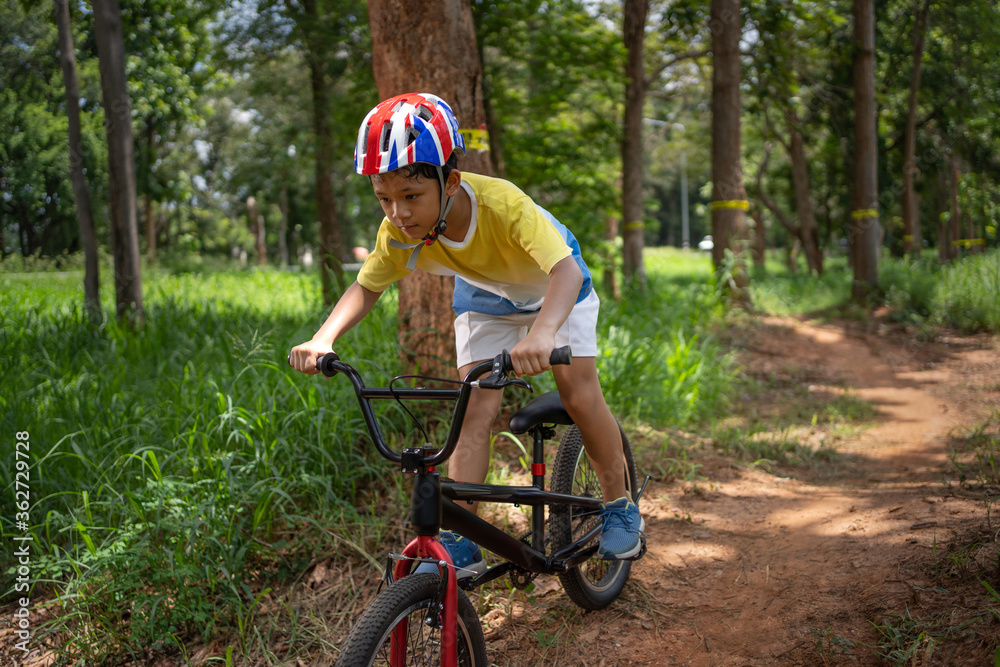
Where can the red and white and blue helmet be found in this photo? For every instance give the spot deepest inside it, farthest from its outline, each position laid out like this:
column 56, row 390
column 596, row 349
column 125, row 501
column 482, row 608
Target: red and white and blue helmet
column 402, row 130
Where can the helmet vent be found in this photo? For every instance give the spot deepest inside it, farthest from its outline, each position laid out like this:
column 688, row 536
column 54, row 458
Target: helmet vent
column 384, row 139
column 425, row 113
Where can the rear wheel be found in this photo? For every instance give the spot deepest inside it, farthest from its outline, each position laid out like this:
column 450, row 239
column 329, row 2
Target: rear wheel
column 410, row 604
column 595, row 583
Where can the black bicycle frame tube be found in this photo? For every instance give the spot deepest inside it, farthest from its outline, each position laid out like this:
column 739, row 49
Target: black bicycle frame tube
column 514, row 495
column 488, row 536
column 538, row 480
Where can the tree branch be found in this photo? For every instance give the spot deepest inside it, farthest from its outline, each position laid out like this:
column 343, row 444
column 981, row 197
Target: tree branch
column 655, row 74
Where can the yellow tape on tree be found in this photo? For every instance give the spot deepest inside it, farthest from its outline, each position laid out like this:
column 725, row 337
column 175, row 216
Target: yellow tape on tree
column 907, row 238
column 969, row 242
column 476, row 139
column 635, row 224
column 738, row 204
column 864, row 213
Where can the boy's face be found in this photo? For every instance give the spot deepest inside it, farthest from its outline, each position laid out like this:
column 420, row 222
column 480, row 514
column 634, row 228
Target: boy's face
column 411, row 204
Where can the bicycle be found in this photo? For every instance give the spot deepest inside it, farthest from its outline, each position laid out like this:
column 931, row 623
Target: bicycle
column 418, row 619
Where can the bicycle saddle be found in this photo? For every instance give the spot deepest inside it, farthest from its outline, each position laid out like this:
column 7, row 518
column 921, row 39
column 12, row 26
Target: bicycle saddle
column 544, row 409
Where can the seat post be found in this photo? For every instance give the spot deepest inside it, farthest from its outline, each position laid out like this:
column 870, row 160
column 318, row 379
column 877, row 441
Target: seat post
column 538, row 436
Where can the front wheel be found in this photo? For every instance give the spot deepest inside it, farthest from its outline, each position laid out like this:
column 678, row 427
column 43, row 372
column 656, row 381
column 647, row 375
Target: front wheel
column 409, row 604
column 595, row 583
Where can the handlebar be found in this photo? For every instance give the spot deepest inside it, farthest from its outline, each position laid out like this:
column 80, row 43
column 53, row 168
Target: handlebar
column 499, row 369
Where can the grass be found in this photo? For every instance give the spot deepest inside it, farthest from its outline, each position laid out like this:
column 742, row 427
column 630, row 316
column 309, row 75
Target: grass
column 176, row 471
column 182, row 477
column 924, row 294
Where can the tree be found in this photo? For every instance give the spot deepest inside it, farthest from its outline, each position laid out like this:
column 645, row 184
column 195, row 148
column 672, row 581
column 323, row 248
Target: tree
column 168, row 76
column 865, row 230
column 729, row 202
column 786, row 55
column 431, row 51
column 91, row 284
column 912, row 237
column 328, row 59
column 121, row 162
column 634, row 29
column 37, row 213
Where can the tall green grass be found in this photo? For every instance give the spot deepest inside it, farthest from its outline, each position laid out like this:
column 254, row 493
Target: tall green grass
column 964, row 294
column 924, row 293
column 180, row 470
column 779, row 291
column 659, row 362
column 173, row 466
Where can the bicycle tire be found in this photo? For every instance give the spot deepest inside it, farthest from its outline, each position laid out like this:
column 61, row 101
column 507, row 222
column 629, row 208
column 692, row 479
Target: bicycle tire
column 410, row 598
column 596, row 583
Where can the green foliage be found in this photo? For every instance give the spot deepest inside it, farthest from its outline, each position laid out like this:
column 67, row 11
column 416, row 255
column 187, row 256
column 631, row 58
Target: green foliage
column 173, row 468
column 924, row 294
column 782, row 292
column 657, row 361
column 962, row 295
column 36, row 199
column 977, row 456
column 552, row 78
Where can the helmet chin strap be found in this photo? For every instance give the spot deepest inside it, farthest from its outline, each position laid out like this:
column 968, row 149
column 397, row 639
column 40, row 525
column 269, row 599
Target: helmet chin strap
column 432, row 236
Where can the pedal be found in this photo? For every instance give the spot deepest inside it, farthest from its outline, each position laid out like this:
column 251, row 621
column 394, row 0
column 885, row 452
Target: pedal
column 642, row 549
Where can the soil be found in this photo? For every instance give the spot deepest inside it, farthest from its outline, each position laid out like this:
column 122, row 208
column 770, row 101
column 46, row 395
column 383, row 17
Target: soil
column 797, row 565
column 871, row 524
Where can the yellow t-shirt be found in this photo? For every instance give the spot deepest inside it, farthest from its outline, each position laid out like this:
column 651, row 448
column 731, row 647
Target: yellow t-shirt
column 504, row 260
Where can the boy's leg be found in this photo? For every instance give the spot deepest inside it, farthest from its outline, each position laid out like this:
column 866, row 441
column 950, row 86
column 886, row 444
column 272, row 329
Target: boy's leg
column 582, row 397
column 580, row 391
column 471, row 460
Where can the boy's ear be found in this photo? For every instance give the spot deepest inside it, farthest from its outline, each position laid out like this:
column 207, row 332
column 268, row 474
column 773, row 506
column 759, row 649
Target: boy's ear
column 453, row 183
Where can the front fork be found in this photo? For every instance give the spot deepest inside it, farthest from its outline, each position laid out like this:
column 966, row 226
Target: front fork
column 426, row 521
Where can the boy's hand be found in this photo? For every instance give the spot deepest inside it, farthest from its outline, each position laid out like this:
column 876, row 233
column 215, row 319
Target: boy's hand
column 531, row 355
column 304, row 357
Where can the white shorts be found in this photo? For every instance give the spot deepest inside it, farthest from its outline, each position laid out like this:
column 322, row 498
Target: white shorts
column 479, row 337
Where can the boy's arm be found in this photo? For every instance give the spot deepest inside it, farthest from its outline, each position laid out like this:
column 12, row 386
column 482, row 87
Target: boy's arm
column 356, row 302
column 531, row 355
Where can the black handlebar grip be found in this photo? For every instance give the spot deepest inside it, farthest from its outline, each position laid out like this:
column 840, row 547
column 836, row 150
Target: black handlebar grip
column 325, row 364
column 561, row 356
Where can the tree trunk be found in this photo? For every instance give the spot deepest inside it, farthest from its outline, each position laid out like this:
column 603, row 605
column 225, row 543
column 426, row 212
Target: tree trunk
column 283, row 225
column 611, row 260
column 759, row 241
column 403, row 61
column 955, row 226
column 944, row 243
column 121, row 159
column 81, row 193
column 257, row 229
column 632, row 164
column 865, row 229
column 330, row 234
column 150, row 229
column 803, row 200
column 729, row 200
column 912, row 243
column 148, row 198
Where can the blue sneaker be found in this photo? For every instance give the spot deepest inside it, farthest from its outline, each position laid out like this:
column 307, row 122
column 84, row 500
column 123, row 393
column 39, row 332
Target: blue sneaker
column 465, row 554
column 623, row 526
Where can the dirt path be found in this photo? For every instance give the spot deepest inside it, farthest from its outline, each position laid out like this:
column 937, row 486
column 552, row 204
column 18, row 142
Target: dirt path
column 789, row 567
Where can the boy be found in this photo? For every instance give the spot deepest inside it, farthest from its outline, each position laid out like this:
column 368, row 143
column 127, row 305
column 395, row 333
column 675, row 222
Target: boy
column 520, row 284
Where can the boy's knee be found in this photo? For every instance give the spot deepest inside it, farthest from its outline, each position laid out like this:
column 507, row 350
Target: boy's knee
column 583, row 400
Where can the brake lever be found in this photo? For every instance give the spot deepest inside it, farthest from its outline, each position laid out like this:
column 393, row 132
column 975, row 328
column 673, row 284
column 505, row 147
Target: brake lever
column 499, row 382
